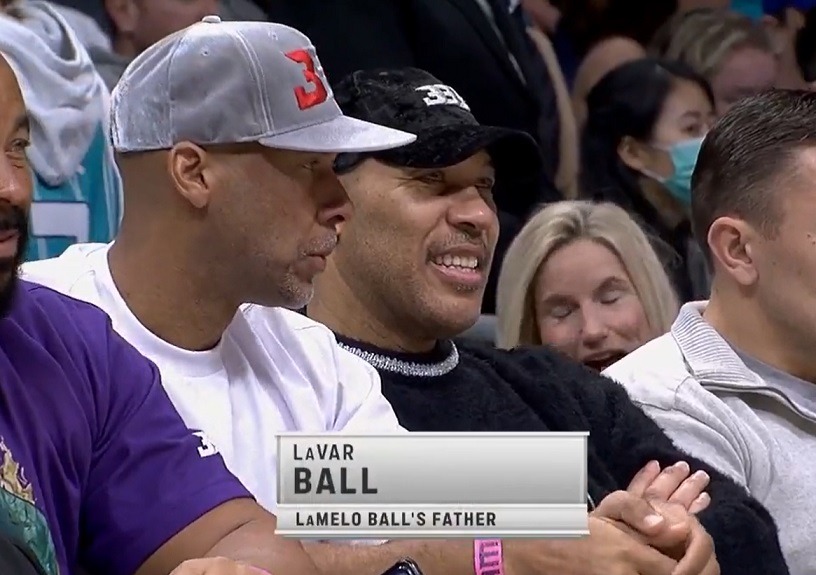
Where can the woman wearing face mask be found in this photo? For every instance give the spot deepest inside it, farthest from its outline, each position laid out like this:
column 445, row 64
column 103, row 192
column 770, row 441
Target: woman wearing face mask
column 645, row 123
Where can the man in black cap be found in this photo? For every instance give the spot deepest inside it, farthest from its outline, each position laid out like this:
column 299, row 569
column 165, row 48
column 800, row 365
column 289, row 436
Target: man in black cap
column 408, row 276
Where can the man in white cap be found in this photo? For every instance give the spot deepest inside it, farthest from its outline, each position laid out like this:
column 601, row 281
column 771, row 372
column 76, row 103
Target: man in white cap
column 226, row 134
column 96, row 466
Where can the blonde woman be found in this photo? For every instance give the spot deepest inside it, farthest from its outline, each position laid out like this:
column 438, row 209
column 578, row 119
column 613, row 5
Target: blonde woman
column 732, row 52
column 583, row 278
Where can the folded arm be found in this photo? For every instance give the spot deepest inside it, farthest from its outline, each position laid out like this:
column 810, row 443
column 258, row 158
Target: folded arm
column 240, row 530
column 158, row 494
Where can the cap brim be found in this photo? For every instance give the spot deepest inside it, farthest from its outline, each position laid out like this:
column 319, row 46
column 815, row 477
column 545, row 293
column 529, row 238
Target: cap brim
column 515, row 154
column 340, row 135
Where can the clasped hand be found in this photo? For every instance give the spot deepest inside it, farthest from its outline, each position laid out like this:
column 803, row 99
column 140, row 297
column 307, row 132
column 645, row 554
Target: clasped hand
column 649, row 529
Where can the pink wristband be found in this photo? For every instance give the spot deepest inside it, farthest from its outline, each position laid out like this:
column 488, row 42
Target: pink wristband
column 487, row 557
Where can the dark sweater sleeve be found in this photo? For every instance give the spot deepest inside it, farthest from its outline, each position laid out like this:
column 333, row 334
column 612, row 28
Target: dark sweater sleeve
column 744, row 532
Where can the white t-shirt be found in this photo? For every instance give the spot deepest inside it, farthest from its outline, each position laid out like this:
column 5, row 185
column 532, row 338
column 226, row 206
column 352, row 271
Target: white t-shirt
column 273, row 371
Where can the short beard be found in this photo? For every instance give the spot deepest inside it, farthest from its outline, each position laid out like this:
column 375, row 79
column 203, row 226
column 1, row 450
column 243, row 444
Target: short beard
column 8, row 291
column 15, row 219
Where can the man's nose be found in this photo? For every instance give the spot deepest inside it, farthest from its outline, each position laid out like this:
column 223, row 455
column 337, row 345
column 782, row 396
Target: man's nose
column 471, row 212
column 337, row 207
column 12, row 186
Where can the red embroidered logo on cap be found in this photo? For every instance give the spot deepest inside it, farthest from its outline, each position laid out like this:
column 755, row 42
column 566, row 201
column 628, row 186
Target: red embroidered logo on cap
column 318, row 94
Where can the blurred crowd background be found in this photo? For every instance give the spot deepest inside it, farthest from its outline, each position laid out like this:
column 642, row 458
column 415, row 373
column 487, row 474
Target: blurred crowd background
column 617, row 93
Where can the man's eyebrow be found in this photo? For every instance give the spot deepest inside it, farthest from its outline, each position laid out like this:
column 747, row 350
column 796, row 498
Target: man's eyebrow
column 411, row 170
column 417, row 173
column 23, row 122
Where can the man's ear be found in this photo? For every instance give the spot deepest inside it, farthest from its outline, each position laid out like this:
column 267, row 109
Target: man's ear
column 733, row 242
column 189, row 169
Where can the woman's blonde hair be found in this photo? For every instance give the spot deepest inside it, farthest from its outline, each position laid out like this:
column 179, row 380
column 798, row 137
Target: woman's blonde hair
column 704, row 38
column 557, row 225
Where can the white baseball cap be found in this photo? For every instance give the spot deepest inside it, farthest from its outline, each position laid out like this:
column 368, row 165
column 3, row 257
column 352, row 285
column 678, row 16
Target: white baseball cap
column 230, row 82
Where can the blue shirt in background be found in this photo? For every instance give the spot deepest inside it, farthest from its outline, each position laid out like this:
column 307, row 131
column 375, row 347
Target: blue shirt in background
column 85, row 208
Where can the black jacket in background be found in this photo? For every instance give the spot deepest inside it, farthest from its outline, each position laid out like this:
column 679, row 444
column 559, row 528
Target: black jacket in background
column 536, row 389
column 454, row 41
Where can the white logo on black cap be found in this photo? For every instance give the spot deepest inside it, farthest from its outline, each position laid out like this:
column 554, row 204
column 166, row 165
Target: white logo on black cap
column 440, row 94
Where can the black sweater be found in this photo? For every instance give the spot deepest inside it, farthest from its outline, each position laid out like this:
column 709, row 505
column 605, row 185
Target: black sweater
column 535, row 389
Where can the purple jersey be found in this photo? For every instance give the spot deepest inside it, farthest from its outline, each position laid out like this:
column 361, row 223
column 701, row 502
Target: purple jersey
column 96, row 466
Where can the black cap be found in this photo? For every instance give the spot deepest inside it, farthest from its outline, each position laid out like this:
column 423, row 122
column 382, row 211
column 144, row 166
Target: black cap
column 447, row 133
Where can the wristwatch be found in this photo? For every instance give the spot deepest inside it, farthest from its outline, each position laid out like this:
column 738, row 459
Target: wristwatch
column 406, row 566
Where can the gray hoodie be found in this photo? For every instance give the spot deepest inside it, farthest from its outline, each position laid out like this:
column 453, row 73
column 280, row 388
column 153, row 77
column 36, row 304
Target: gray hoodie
column 109, row 64
column 77, row 189
column 66, row 99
